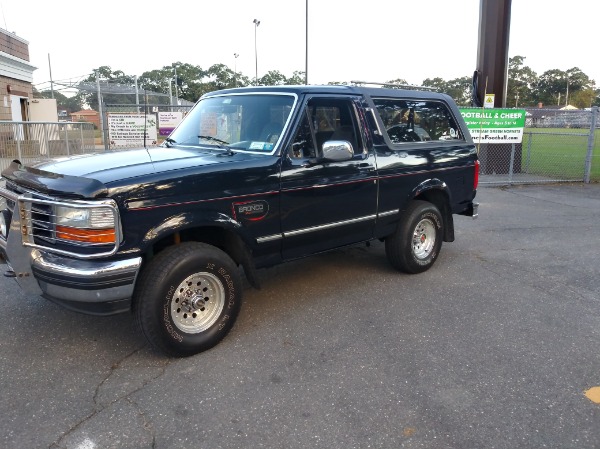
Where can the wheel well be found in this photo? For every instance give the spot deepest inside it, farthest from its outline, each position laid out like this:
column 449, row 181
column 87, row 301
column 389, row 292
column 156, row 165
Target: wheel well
column 223, row 239
column 440, row 199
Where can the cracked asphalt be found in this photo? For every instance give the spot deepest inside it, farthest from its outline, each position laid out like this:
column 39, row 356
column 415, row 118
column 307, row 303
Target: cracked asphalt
column 494, row 347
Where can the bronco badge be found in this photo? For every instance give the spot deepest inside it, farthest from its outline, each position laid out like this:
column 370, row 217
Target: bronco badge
column 251, row 210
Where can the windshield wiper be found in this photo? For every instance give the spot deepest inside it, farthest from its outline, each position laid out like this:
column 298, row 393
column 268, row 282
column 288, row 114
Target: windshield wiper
column 221, row 144
column 169, row 142
column 214, row 139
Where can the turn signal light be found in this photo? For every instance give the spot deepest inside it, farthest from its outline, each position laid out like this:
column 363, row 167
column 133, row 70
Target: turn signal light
column 85, row 235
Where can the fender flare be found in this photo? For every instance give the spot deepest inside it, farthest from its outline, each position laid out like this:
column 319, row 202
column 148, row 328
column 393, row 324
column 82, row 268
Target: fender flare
column 436, row 191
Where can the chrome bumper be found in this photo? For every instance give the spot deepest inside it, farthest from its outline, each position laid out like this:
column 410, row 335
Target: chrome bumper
column 90, row 286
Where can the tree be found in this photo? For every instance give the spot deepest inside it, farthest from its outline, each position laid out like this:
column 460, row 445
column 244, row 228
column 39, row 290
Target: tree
column 297, row 78
column 70, row 104
column 459, row 88
column 556, row 87
column 272, row 78
column 89, row 95
column 521, row 83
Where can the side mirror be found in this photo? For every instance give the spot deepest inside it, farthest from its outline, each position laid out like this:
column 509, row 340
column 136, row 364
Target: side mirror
column 337, row 150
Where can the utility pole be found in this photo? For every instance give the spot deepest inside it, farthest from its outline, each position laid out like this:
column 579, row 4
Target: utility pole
column 176, row 83
column 235, row 56
column 492, row 50
column 256, row 24
column 51, row 82
column 100, row 112
column 306, row 50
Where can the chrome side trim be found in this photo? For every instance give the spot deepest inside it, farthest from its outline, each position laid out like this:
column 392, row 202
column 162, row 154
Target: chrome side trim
column 269, row 238
column 328, row 226
column 387, row 213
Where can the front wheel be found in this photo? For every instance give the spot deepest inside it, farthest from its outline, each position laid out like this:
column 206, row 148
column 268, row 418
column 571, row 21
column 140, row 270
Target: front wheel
column 416, row 243
column 187, row 298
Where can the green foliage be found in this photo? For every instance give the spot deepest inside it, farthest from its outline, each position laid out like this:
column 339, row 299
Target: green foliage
column 521, row 82
column 70, row 104
column 525, row 88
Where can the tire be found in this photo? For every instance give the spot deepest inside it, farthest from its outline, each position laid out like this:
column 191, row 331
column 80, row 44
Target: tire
column 187, row 299
column 416, row 243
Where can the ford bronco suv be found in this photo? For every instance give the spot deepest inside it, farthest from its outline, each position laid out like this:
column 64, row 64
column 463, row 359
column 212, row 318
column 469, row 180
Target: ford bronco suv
column 252, row 177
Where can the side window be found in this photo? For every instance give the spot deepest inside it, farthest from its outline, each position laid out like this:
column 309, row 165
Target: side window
column 417, row 121
column 325, row 119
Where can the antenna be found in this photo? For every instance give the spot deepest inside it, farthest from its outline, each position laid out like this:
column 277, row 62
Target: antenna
column 3, row 17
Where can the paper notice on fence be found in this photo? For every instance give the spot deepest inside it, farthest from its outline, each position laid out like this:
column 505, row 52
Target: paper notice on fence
column 168, row 121
column 495, row 125
column 129, row 130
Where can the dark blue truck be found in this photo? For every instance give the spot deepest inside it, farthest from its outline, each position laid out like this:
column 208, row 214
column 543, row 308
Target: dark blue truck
column 252, row 177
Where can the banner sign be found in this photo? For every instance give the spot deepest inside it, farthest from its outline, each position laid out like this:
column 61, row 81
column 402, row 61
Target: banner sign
column 495, row 125
column 128, row 130
column 168, row 121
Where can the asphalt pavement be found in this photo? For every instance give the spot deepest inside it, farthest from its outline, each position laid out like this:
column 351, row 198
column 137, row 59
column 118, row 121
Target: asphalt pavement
column 494, row 347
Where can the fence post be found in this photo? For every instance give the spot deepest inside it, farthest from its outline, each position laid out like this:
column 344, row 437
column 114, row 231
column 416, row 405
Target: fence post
column 81, row 134
column 512, row 163
column 46, row 145
column 67, row 140
column 528, row 160
column 590, row 148
column 18, row 140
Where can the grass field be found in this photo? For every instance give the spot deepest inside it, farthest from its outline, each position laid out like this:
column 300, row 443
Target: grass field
column 559, row 153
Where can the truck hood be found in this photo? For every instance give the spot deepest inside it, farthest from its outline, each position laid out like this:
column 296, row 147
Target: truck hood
column 87, row 175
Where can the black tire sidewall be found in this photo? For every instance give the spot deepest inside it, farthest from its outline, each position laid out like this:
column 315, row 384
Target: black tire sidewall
column 425, row 212
column 398, row 246
column 161, row 281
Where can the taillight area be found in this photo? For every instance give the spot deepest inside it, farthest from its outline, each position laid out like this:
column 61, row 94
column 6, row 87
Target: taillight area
column 476, row 175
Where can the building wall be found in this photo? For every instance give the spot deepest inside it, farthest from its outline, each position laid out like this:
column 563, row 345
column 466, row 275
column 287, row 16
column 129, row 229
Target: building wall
column 16, row 74
column 11, row 44
column 19, row 88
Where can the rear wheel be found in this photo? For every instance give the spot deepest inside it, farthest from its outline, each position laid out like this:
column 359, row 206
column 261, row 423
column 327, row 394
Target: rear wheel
column 416, row 243
column 187, row 298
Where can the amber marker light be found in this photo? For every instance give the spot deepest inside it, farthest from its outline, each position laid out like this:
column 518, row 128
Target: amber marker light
column 98, row 236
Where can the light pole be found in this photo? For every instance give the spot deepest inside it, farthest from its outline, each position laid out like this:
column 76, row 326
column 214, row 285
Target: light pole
column 306, row 49
column 235, row 56
column 256, row 24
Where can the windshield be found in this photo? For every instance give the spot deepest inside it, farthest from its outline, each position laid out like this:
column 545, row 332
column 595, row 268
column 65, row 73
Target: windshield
column 247, row 122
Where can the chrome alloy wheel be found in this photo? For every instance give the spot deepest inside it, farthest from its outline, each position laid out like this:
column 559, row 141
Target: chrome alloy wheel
column 423, row 238
column 197, row 302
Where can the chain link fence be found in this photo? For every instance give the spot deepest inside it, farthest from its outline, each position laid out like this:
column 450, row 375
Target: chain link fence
column 558, row 146
column 147, row 117
column 32, row 141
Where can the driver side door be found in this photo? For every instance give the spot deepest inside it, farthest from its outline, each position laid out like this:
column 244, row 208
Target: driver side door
column 326, row 204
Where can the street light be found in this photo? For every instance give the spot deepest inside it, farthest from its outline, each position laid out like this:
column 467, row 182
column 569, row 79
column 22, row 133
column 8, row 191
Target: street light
column 256, row 24
column 306, row 48
column 235, row 56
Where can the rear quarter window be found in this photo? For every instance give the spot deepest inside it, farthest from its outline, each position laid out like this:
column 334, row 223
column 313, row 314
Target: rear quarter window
column 417, row 121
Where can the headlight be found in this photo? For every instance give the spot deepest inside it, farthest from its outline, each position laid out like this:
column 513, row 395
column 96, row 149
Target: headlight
column 3, row 224
column 3, row 218
column 85, row 224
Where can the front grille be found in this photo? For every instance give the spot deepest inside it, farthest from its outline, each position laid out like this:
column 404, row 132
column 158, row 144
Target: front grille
column 36, row 212
column 42, row 226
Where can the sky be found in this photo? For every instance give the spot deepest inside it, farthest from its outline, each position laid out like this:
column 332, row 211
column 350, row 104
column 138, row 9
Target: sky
column 376, row 40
